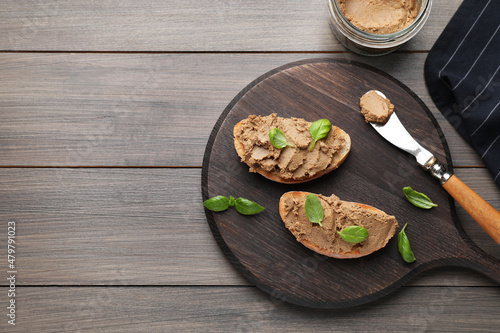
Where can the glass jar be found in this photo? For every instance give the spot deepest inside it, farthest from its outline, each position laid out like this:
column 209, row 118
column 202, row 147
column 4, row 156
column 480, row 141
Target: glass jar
column 370, row 44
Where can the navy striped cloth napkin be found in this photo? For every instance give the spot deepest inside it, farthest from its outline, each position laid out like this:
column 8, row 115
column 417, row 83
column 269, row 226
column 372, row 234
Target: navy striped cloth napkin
column 463, row 79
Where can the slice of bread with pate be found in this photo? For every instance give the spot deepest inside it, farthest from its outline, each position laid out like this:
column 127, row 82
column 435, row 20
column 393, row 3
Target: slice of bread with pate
column 338, row 215
column 292, row 164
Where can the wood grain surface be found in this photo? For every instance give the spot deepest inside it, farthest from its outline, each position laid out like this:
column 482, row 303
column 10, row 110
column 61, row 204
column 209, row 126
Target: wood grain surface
column 145, row 109
column 247, row 309
column 99, row 103
column 185, row 26
column 110, row 207
column 83, row 201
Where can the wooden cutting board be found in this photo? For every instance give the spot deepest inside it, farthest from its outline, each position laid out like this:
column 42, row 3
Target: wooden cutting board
column 375, row 172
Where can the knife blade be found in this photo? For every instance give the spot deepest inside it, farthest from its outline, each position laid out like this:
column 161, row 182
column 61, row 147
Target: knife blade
column 394, row 132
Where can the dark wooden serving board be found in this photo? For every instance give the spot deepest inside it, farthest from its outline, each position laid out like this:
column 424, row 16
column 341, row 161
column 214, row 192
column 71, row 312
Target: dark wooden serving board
column 375, row 172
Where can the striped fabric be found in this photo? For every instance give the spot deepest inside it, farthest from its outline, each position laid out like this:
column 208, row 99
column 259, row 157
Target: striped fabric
column 462, row 72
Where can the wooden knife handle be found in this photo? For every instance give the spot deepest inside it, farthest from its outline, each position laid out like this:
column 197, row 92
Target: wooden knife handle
column 481, row 211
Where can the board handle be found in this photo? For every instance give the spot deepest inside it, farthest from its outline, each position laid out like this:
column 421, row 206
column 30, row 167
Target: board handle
column 481, row 211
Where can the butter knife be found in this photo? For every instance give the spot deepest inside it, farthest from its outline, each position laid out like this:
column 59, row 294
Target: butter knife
column 480, row 210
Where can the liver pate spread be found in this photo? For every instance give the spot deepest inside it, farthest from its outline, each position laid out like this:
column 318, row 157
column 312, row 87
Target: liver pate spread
column 375, row 108
column 289, row 163
column 338, row 215
column 380, row 16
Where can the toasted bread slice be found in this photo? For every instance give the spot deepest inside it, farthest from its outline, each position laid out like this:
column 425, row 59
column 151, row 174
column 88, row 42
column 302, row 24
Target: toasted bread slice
column 337, row 159
column 338, row 215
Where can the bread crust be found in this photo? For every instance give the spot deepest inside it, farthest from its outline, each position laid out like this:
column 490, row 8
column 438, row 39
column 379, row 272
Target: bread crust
column 299, row 195
column 339, row 157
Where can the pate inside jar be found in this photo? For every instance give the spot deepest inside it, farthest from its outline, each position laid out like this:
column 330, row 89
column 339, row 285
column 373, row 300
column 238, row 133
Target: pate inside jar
column 377, row 27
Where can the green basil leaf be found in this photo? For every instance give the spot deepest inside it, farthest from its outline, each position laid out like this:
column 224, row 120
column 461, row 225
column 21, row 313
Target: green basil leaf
column 217, row 204
column 232, row 201
column 278, row 138
column 418, row 199
column 404, row 246
column 314, row 209
column 353, row 234
column 319, row 129
column 247, row 207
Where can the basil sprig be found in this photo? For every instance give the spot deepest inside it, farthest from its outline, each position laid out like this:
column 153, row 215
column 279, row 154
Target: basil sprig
column 418, row 199
column 404, row 246
column 278, row 139
column 244, row 206
column 319, row 129
column 314, row 209
column 353, row 234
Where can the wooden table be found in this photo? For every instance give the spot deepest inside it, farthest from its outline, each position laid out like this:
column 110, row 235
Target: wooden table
column 105, row 112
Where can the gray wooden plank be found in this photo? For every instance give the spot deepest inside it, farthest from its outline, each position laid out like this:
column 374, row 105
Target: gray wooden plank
column 119, row 226
column 110, row 226
column 206, row 25
column 145, row 109
column 247, row 309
